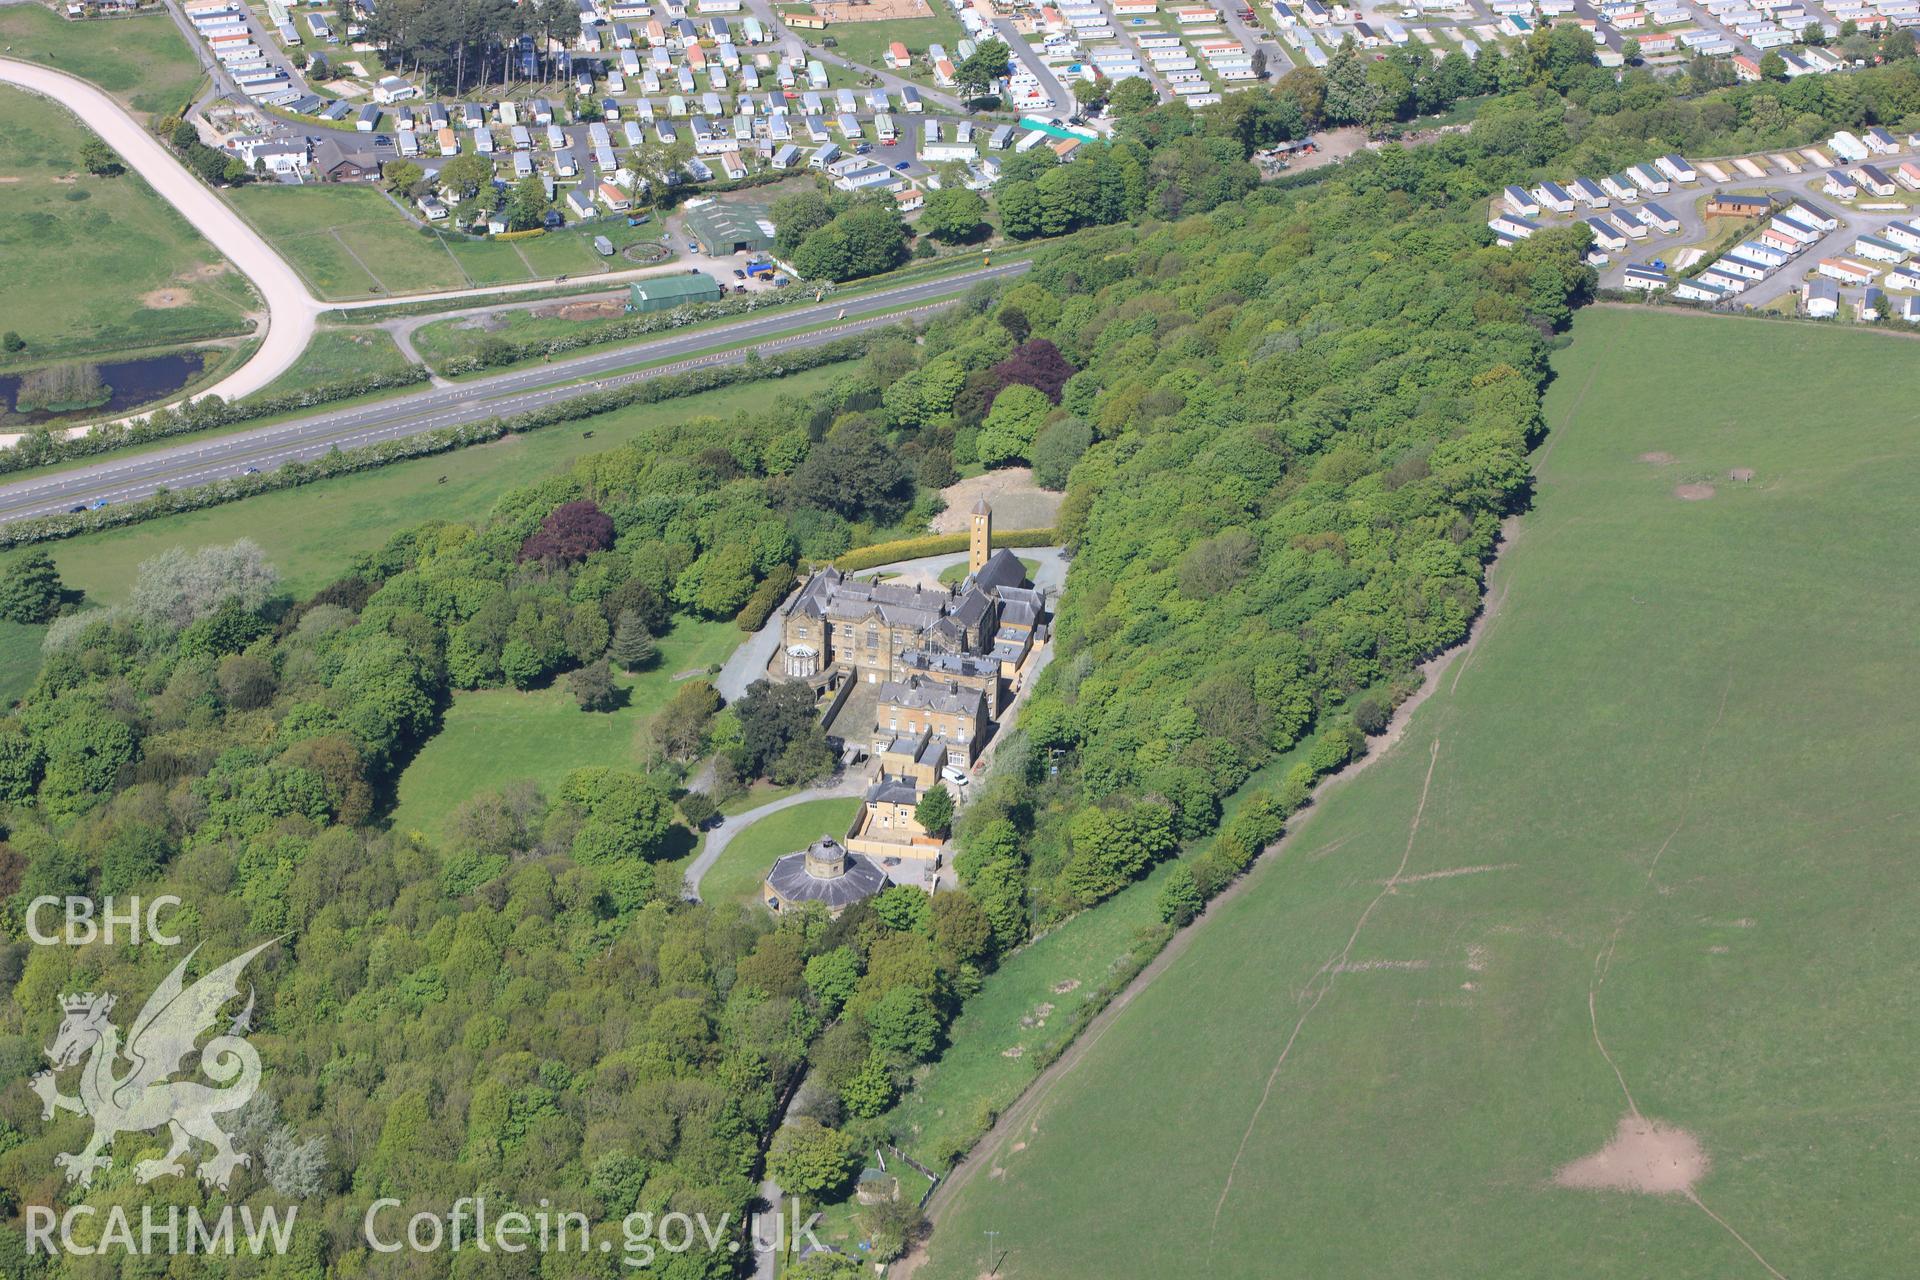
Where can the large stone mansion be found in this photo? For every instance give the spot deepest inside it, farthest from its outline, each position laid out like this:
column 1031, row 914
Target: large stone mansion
column 839, row 627
column 937, row 665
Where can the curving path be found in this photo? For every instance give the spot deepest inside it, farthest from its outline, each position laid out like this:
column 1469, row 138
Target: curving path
column 291, row 310
column 842, row 784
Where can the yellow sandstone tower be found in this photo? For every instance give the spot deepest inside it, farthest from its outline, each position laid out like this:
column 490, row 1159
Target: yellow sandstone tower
column 982, row 544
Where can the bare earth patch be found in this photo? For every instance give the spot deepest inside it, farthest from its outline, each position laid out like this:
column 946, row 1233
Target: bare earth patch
column 1065, row 985
column 605, row 309
column 166, row 299
column 1657, row 458
column 1017, row 502
column 1644, row 1156
column 883, row 11
column 1693, row 492
column 1742, row 474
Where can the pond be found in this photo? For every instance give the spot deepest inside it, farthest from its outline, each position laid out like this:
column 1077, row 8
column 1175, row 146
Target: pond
column 134, row 383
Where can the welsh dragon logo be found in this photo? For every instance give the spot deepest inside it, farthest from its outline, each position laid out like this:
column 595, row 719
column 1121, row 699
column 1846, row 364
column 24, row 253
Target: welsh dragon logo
column 142, row 1097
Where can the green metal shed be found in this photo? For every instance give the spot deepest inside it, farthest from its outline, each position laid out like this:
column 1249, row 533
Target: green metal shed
column 664, row 293
column 731, row 226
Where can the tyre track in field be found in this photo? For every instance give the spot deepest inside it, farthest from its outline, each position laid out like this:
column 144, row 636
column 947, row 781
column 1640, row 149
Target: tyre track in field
column 1330, row 971
column 1014, row 1123
column 1603, row 965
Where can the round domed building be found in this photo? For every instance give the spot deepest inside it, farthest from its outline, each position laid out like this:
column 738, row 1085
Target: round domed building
column 825, row 872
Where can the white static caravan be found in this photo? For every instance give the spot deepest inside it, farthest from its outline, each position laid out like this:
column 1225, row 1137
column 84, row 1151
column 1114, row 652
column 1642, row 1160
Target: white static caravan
column 1606, row 236
column 1518, row 201
column 1590, row 193
column 1552, row 195
column 1676, row 168
column 1648, row 179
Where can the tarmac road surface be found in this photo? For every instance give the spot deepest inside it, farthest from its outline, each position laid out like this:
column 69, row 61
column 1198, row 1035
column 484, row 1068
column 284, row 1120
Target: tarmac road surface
column 206, row 460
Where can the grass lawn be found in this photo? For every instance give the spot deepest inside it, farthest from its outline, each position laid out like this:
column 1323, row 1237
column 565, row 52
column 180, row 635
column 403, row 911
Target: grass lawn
column 311, row 532
column 19, row 659
column 84, row 260
column 1651, row 842
column 337, row 354
column 866, row 42
column 1022, row 1016
column 347, row 241
column 141, row 60
column 955, row 572
column 445, row 340
column 736, row 876
column 491, row 737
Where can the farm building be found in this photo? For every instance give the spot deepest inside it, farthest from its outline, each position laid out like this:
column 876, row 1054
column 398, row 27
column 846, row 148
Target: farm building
column 724, row 227
column 664, row 293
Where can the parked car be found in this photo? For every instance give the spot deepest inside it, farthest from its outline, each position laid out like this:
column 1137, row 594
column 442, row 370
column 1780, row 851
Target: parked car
column 904, row 165
column 865, row 148
column 738, row 274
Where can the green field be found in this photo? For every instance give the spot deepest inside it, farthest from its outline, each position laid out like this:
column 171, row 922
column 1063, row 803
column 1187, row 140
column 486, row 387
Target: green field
column 1023, row 1015
column 338, row 354
column 445, row 340
column 1642, row 851
column 348, row 241
column 312, row 532
column 19, row 659
column 491, row 737
column 736, row 876
column 144, row 61
column 866, row 42
column 84, row 261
